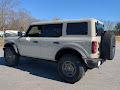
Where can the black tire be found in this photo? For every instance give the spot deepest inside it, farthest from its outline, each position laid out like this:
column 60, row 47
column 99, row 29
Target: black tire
column 108, row 46
column 11, row 57
column 78, row 70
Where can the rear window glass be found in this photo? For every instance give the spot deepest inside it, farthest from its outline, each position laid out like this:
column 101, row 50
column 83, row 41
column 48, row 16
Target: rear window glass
column 99, row 29
column 77, row 28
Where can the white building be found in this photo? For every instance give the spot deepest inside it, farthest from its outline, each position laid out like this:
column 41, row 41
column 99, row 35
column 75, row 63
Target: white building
column 1, row 33
column 11, row 33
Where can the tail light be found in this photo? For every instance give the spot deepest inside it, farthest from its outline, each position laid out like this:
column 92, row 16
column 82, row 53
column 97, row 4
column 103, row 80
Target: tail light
column 94, row 47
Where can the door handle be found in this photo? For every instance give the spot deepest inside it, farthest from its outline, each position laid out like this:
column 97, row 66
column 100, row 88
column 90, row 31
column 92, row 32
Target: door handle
column 56, row 42
column 35, row 41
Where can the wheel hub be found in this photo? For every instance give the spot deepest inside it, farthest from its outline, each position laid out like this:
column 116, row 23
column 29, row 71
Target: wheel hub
column 9, row 56
column 68, row 68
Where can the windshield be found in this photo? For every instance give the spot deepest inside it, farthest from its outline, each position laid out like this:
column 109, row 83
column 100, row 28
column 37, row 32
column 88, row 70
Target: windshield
column 99, row 29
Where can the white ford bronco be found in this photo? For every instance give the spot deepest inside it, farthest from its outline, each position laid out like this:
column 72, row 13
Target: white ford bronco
column 74, row 44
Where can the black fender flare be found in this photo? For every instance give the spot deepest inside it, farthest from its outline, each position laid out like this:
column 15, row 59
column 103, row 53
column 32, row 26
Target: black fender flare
column 11, row 44
column 68, row 50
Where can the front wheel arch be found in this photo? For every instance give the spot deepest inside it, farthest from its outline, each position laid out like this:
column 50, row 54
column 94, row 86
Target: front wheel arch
column 11, row 45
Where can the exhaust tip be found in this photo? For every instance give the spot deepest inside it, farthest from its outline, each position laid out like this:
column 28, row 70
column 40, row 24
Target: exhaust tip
column 99, row 63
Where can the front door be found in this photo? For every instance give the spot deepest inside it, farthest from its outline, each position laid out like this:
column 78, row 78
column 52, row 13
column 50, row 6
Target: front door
column 41, row 41
column 29, row 45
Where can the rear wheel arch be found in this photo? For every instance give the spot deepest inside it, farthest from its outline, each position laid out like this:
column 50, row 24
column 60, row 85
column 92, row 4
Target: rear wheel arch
column 68, row 51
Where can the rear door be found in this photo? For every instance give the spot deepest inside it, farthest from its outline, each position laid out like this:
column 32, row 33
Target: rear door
column 49, row 42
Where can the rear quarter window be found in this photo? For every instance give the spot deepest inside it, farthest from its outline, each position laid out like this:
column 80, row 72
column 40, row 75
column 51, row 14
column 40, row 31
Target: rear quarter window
column 77, row 28
column 99, row 29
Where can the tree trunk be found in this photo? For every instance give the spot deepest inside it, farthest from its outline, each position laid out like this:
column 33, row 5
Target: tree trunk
column 3, row 34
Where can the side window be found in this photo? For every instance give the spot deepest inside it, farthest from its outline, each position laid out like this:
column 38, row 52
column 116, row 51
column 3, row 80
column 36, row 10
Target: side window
column 99, row 29
column 35, row 31
column 52, row 30
column 77, row 28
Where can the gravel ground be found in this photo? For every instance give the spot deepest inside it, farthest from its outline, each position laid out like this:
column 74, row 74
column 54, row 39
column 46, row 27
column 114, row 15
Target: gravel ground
column 42, row 75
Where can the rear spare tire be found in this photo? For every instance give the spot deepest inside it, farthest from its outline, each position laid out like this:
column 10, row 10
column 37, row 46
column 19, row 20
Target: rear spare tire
column 108, row 46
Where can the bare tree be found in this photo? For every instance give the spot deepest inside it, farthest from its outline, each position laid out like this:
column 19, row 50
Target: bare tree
column 5, row 7
column 25, row 18
column 56, row 18
column 109, row 25
column 12, row 22
column 20, row 20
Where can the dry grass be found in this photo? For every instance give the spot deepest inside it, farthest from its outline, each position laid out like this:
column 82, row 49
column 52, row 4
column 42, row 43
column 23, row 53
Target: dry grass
column 118, row 38
column 1, row 42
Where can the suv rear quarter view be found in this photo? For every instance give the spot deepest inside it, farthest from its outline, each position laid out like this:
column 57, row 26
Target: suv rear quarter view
column 74, row 44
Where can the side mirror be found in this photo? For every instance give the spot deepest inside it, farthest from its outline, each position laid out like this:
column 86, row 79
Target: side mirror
column 19, row 33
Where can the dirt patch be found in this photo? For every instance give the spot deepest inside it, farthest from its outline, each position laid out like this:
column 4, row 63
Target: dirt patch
column 1, row 42
column 118, row 38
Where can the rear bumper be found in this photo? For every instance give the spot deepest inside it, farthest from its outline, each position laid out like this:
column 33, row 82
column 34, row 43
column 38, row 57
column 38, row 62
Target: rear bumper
column 93, row 63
